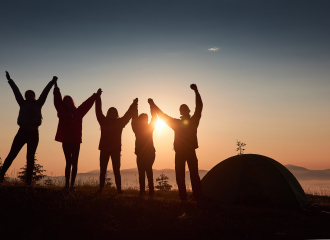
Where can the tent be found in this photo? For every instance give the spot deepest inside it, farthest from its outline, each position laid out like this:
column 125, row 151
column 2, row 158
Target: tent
column 252, row 177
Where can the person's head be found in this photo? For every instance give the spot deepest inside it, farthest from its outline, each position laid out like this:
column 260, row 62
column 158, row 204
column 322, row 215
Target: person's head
column 184, row 110
column 143, row 118
column 112, row 113
column 68, row 102
column 30, row 95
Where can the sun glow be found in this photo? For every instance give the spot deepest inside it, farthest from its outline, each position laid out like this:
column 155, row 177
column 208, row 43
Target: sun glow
column 160, row 124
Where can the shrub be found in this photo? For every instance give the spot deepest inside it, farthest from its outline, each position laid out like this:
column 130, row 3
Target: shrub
column 162, row 181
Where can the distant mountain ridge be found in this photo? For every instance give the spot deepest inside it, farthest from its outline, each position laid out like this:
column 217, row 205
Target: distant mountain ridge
column 304, row 174
column 301, row 173
column 131, row 177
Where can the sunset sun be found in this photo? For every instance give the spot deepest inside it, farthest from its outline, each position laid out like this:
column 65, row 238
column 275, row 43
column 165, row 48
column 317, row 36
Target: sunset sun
column 160, row 124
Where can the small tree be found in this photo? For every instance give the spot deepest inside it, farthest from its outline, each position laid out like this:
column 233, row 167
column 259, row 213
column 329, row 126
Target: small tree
column 163, row 183
column 37, row 172
column 240, row 147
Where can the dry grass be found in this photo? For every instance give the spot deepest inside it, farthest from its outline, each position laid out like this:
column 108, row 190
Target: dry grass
column 319, row 195
column 317, row 190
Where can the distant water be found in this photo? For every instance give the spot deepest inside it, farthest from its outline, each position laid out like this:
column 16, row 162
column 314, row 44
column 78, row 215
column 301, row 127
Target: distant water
column 321, row 188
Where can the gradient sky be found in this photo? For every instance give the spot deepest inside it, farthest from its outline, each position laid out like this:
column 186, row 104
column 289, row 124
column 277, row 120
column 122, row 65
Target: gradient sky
column 267, row 84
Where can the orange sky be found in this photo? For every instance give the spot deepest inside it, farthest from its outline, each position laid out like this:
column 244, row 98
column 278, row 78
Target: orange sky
column 283, row 125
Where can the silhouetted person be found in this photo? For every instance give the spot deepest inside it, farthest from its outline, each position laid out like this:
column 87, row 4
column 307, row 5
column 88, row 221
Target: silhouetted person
column 29, row 119
column 185, row 143
column 69, row 130
column 110, row 143
column 144, row 147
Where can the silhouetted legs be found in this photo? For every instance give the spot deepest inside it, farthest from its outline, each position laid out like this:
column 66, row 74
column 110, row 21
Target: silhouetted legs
column 32, row 145
column 150, row 179
column 31, row 138
column 115, row 157
column 104, row 160
column 180, row 164
column 144, row 164
column 71, row 152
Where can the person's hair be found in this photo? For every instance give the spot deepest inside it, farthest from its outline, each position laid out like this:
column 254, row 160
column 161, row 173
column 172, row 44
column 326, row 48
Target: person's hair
column 142, row 115
column 27, row 91
column 183, row 106
column 113, row 108
column 70, row 98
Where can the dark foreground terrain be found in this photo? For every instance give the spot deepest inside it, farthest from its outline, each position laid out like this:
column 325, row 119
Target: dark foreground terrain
column 49, row 213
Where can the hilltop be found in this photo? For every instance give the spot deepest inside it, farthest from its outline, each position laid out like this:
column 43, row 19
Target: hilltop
column 49, row 213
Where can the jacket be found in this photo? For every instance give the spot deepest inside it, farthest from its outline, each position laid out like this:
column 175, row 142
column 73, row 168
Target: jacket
column 111, row 129
column 69, row 129
column 144, row 133
column 185, row 129
column 29, row 116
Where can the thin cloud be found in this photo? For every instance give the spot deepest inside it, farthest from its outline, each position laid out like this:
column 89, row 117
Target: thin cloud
column 214, row 49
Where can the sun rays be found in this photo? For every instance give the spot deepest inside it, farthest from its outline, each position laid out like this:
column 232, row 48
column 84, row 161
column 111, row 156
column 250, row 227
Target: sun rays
column 160, row 124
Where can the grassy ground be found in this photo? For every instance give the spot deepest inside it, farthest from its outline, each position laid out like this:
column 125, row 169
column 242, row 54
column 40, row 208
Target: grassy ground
column 49, row 213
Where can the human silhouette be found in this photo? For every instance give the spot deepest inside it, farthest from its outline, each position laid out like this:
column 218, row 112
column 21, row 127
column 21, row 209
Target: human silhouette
column 29, row 119
column 144, row 147
column 110, row 143
column 69, row 130
column 185, row 143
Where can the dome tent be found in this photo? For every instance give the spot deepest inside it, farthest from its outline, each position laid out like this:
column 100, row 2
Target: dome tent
column 253, row 177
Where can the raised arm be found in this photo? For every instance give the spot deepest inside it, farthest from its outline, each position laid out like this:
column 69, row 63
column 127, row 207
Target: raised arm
column 127, row 116
column 44, row 94
column 85, row 106
column 98, row 108
column 58, row 103
column 154, row 118
column 199, row 103
column 17, row 93
column 134, row 117
column 167, row 119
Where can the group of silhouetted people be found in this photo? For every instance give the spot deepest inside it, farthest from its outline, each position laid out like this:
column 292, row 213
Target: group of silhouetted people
column 69, row 132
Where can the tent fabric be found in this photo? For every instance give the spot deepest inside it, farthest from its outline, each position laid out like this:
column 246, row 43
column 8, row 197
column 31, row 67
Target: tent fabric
column 253, row 177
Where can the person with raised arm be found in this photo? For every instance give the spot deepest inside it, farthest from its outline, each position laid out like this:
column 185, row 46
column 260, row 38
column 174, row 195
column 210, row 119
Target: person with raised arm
column 69, row 130
column 110, row 142
column 29, row 120
column 185, row 143
column 144, row 147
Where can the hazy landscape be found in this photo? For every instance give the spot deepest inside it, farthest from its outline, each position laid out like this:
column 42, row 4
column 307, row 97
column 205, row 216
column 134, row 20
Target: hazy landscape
column 312, row 181
column 130, row 177
column 305, row 175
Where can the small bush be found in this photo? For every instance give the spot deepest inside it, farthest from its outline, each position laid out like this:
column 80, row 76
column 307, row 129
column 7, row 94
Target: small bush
column 162, row 181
